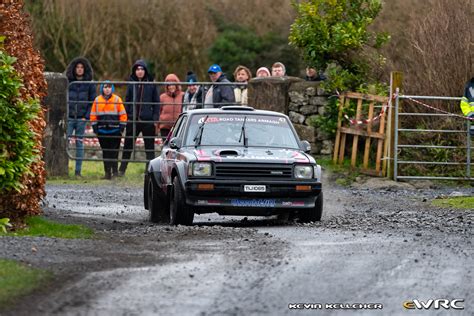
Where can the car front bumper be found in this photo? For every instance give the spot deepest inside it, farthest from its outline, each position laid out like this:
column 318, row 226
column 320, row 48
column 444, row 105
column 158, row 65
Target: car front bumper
column 230, row 194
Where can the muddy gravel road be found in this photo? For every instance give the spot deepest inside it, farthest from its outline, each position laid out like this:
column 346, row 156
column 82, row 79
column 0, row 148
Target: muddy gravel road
column 379, row 245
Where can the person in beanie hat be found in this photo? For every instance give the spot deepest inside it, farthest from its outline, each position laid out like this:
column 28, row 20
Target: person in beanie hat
column 143, row 110
column 81, row 94
column 241, row 75
column 193, row 96
column 263, row 72
column 109, row 118
column 191, row 77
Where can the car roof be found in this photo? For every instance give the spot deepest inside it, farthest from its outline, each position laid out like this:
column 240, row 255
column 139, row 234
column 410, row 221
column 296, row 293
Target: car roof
column 235, row 109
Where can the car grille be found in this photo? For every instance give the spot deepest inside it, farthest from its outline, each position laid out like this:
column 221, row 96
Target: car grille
column 255, row 171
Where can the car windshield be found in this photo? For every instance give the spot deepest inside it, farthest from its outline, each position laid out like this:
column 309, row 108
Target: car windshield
column 242, row 129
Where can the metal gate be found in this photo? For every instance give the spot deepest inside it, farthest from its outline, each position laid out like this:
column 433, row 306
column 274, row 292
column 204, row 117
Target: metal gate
column 89, row 142
column 446, row 152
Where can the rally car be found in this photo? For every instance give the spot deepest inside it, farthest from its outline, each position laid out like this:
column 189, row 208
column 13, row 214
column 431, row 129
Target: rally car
column 234, row 160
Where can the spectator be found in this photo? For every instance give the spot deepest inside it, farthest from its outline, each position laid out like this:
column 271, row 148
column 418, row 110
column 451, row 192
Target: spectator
column 217, row 96
column 467, row 103
column 313, row 75
column 263, row 72
column 278, row 70
column 171, row 105
column 81, row 94
column 241, row 75
column 109, row 118
column 143, row 110
column 193, row 96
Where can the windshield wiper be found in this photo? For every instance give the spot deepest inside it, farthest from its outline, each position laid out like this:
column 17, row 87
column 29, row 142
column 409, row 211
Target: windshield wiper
column 242, row 133
column 198, row 135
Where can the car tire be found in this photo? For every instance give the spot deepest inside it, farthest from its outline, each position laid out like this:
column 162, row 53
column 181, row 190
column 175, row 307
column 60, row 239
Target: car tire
column 145, row 191
column 157, row 206
column 314, row 214
column 180, row 212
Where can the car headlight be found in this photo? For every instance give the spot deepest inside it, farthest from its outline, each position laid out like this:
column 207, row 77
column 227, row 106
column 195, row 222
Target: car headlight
column 303, row 172
column 202, row 169
column 317, row 172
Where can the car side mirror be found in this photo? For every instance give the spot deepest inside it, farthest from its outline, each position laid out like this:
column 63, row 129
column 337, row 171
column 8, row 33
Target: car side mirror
column 175, row 143
column 306, row 146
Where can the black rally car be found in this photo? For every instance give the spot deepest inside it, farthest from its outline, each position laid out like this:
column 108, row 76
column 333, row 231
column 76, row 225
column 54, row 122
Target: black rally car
column 234, row 161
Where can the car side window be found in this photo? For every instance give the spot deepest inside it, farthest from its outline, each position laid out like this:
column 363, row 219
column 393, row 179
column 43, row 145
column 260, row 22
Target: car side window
column 180, row 131
column 175, row 129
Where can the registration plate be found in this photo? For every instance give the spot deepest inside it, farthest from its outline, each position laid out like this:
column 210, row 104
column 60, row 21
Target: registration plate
column 255, row 188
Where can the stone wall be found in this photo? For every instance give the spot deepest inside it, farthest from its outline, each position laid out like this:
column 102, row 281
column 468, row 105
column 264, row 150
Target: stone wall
column 301, row 100
column 306, row 102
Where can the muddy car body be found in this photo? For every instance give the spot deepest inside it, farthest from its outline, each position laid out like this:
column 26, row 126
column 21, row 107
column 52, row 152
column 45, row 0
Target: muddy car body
column 234, row 161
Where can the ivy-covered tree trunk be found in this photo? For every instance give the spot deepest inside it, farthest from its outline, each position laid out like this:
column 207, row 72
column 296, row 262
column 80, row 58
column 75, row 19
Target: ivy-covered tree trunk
column 19, row 201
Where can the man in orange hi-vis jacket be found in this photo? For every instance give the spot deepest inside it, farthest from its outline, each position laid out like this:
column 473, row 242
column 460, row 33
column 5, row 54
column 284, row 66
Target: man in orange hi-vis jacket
column 109, row 118
column 467, row 104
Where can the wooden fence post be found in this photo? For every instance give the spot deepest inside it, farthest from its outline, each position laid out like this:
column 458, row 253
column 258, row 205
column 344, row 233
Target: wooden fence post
column 396, row 79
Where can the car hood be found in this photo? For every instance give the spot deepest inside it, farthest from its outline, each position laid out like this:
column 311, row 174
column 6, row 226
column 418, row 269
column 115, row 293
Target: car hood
column 251, row 154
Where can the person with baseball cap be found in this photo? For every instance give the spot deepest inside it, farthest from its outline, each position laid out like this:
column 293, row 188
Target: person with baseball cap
column 217, row 96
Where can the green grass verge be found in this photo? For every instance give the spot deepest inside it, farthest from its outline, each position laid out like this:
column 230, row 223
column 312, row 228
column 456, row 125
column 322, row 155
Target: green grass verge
column 461, row 202
column 38, row 226
column 344, row 174
column 17, row 279
column 93, row 171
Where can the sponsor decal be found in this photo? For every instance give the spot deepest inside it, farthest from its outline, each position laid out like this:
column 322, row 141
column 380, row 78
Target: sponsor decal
column 208, row 202
column 292, row 203
column 298, row 156
column 201, row 155
column 253, row 203
column 250, row 119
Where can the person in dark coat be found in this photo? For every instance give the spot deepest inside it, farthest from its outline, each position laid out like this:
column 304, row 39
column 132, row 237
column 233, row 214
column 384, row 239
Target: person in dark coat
column 143, row 110
column 81, row 94
column 313, row 75
column 217, row 96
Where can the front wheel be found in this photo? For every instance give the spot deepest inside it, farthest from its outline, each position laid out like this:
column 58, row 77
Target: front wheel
column 314, row 214
column 180, row 212
column 157, row 206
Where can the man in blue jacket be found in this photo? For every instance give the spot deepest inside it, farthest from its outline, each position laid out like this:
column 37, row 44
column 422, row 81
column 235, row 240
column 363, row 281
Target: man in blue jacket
column 143, row 110
column 81, row 94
